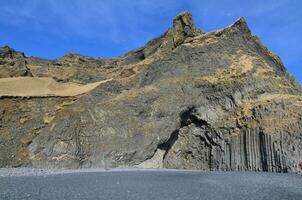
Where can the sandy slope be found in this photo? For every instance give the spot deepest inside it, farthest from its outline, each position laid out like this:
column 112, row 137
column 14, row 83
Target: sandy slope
column 42, row 87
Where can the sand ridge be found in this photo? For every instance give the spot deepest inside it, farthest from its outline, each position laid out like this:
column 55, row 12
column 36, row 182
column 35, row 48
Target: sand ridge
column 42, row 87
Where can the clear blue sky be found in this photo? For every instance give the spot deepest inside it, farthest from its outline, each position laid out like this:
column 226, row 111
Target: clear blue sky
column 108, row 28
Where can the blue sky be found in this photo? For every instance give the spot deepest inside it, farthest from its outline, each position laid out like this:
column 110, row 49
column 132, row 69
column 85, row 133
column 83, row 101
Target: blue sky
column 108, row 28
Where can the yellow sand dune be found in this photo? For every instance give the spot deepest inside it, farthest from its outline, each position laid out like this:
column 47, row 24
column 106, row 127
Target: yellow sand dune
column 42, row 87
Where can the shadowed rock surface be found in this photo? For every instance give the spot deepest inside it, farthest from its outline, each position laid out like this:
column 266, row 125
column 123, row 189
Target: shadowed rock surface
column 187, row 99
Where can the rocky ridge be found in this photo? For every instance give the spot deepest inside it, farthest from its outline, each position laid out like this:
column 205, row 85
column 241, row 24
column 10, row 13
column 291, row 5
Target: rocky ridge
column 187, row 99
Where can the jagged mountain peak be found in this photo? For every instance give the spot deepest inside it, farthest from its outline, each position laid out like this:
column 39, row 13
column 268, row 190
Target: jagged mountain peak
column 241, row 25
column 8, row 52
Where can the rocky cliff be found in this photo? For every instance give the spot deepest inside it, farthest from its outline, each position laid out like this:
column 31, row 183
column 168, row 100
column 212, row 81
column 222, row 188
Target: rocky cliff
column 187, row 99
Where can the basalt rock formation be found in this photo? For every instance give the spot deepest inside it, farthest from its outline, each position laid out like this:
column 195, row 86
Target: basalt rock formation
column 188, row 99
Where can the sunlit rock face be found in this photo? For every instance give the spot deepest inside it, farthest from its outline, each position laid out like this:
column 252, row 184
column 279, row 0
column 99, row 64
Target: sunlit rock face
column 187, row 99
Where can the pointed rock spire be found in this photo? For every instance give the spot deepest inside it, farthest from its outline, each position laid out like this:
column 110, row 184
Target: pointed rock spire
column 183, row 27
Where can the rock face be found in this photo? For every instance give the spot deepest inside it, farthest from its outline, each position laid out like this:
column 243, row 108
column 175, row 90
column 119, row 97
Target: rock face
column 187, row 99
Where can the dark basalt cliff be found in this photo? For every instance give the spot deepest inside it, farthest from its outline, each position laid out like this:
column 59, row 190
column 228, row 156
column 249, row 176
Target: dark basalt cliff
column 187, row 99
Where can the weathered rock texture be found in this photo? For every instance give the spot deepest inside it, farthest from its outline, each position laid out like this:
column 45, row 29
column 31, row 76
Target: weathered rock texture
column 187, row 99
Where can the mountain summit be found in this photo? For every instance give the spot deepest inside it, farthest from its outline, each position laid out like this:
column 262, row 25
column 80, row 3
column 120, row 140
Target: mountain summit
column 187, row 99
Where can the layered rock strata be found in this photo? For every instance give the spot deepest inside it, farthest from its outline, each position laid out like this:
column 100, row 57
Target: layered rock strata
column 188, row 99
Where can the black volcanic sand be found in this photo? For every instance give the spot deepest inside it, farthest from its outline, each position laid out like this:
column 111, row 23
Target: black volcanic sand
column 148, row 184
